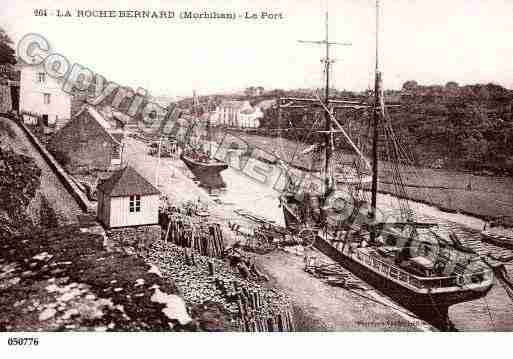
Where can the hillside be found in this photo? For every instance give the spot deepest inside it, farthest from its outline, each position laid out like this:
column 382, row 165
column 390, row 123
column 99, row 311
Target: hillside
column 467, row 128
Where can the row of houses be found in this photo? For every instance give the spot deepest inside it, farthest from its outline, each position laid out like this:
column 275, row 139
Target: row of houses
column 43, row 98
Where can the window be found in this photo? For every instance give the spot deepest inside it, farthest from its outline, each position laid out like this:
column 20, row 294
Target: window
column 135, row 203
column 116, row 152
column 46, row 98
column 41, row 77
column 116, row 155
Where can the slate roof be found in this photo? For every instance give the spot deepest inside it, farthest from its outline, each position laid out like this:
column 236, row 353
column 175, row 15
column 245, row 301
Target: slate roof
column 120, row 116
column 95, row 115
column 127, row 182
column 118, row 136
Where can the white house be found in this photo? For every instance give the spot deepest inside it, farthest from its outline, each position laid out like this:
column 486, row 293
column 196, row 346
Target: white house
column 250, row 118
column 127, row 199
column 229, row 112
column 42, row 95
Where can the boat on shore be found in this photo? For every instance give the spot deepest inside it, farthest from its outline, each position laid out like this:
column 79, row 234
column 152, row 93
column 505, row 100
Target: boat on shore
column 416, row 264
column 205, row 169
column 200, row 161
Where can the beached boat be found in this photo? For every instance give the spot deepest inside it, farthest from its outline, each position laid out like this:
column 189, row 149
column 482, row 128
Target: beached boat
column 200, row 159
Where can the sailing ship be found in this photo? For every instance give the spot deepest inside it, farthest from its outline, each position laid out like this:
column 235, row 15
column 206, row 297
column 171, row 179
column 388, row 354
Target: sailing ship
column 199, row 158
column 415, row 263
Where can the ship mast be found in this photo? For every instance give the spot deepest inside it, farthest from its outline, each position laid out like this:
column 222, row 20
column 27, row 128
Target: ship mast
column 328, row 139
column 375, row 125
column 328, row 132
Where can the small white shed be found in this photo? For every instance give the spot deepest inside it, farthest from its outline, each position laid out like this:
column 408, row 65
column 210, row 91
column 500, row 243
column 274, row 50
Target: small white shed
column 127, row 199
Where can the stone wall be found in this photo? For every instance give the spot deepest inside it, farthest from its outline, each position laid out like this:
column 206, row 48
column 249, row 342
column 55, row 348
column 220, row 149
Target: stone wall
column 137, row 237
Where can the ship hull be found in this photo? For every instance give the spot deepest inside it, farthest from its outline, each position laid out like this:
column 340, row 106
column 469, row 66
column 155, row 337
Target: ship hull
column 431, row 307
column 208, row 174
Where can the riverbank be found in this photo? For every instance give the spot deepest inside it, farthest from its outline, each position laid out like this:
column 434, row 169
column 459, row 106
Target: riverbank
column 485, row 197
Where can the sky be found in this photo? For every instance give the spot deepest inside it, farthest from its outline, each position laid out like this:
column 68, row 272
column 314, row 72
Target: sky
column 430, row 41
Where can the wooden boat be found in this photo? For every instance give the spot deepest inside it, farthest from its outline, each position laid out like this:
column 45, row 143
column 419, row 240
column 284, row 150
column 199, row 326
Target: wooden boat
column 203, row 165
column 407, row 261
column 206, row 170
column 497, row 239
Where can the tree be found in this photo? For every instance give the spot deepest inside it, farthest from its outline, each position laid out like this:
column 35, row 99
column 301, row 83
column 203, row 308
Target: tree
column 475, row 149
column 410, row 85
column 451, row 85
column 6, row 52
column 250, row 91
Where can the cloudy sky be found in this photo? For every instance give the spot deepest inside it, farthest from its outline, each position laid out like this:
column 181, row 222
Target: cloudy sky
column 431, row 41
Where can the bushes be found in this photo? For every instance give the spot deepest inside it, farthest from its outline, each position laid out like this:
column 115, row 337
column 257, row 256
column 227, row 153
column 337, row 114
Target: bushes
column 19, row 180
column 48, row 217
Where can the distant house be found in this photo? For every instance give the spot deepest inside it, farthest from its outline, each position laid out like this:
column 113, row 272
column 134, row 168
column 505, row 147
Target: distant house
column 42, row 95
column 127, row 199
column 237, row 114
column 89, row 142
column 250, row 118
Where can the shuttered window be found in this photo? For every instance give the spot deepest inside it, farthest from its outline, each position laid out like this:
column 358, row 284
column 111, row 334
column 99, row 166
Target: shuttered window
column 135, row 203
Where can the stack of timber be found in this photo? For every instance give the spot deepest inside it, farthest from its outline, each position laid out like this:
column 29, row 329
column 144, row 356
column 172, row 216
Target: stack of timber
column 333, row 274
column 196, row 233
column 249, row 304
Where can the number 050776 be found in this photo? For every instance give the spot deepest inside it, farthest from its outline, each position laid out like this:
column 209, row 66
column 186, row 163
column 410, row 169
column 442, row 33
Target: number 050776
column 22, row 341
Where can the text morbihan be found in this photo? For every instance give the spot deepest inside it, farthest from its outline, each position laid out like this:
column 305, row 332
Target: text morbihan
column 207, row 15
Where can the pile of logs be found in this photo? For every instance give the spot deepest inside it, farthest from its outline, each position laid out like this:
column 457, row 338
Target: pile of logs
column 204, row 237
column 281, row 322
column 250, row 305
column 333, row 274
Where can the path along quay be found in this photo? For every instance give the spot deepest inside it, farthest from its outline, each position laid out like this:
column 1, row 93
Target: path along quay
column 317, row 305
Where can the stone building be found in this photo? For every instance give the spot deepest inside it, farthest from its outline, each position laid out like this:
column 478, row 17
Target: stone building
column 88, row 142
column 42, row 96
